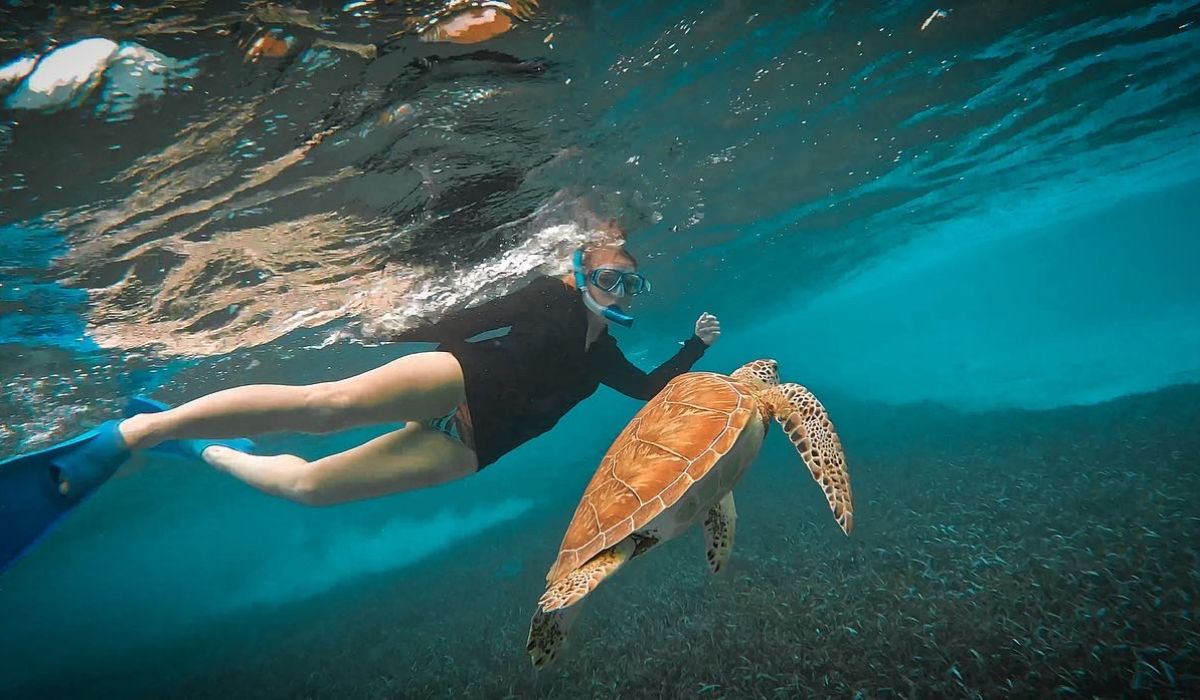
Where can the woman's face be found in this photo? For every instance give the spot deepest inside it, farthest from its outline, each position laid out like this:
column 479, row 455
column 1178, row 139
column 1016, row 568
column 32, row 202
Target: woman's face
column 613, row 260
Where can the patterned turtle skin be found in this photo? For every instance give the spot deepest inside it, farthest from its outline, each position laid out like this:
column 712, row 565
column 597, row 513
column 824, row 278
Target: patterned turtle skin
column 674, row 467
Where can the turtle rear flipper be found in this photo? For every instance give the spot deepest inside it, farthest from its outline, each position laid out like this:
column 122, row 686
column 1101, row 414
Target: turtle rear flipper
column 718, row 533
column 569, row 589
column 559, row 605
column 807, row 425
column 547, row 632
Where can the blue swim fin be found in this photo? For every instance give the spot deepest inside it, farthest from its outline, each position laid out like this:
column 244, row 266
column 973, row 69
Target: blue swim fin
column 39, row 488
column 182, row 448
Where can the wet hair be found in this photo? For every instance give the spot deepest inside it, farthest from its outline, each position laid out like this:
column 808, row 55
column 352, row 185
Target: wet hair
column 607, row 241
column 608, row 215
column 623, row 207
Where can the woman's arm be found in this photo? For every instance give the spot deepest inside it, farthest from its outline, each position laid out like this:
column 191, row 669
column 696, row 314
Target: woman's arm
column 619, row 373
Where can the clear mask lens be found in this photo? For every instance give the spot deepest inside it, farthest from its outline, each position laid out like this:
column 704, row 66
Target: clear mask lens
column 620, row 283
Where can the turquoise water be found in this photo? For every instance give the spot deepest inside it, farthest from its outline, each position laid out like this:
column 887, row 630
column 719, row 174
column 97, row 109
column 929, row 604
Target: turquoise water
column 975, row 242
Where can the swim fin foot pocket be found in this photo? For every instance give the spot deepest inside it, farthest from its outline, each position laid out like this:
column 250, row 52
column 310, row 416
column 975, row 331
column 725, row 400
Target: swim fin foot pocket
column 190, row 449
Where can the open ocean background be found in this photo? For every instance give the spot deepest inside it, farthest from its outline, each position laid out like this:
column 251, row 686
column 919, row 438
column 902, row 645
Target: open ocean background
column 977, row 242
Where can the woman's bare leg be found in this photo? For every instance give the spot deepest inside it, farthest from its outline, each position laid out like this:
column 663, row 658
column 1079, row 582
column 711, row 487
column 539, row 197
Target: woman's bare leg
column 413, row 457
column 417, row 387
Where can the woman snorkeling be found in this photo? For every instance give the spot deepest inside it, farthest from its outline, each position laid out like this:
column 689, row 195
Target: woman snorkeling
column 465, row 405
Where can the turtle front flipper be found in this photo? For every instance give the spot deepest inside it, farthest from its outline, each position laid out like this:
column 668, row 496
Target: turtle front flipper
column 807, row 425
column 718, row 533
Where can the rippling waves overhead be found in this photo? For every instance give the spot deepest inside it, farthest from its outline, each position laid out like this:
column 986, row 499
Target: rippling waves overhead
column 772, row 146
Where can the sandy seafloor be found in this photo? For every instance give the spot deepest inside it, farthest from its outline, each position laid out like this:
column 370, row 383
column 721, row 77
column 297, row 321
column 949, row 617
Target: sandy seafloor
column 1005, row 554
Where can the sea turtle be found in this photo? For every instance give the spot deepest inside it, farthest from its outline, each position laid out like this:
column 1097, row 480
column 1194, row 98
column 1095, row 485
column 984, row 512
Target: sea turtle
column 674, row 466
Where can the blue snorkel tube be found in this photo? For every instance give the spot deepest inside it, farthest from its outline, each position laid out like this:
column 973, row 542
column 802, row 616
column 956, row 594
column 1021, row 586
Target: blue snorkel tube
column 613, row 313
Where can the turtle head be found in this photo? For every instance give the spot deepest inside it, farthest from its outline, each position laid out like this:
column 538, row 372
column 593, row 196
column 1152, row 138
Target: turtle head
column 759, row 374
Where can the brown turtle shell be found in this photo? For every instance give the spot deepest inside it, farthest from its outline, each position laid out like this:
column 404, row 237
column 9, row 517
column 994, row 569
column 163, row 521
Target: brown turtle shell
column 669, row 445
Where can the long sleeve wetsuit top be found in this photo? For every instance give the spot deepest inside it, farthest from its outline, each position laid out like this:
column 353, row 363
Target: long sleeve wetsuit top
column 521, row 383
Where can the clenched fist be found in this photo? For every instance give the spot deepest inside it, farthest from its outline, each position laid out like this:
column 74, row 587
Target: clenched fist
column 708, row 328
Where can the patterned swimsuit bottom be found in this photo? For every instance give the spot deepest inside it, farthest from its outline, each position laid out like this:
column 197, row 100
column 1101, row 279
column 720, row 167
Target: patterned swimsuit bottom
column 456, row 425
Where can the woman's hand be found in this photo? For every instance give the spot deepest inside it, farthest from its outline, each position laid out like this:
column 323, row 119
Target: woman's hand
column 708, row 328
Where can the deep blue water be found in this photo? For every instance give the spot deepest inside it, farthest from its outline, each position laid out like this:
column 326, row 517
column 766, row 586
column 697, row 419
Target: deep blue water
column 993, row 219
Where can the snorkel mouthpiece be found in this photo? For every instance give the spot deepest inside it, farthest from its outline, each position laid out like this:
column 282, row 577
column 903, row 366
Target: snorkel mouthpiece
column 613, row 312
column 617, row 315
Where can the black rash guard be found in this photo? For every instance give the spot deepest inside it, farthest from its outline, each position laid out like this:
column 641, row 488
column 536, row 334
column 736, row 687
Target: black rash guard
column 519, row 384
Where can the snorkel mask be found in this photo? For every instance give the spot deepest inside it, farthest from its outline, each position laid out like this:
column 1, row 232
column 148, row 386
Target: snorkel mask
column 614, row 313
